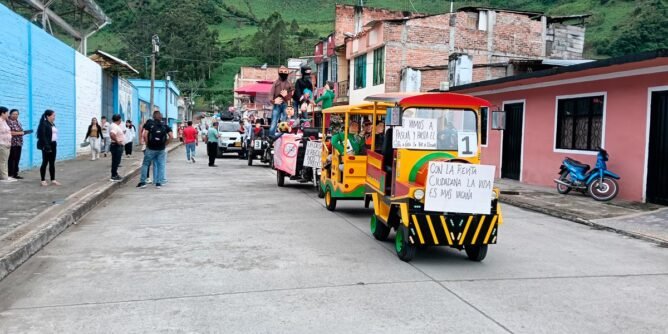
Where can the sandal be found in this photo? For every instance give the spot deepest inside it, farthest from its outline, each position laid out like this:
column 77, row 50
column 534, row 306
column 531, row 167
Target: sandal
column 55, row 183
column 44, row 184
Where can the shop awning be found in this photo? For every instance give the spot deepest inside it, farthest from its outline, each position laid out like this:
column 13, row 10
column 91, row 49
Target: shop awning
column 262, row 87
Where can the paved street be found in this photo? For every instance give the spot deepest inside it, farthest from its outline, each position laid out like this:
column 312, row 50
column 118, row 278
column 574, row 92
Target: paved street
column 226, row 250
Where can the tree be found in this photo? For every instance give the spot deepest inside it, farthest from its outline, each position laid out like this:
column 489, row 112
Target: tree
column 646, row 30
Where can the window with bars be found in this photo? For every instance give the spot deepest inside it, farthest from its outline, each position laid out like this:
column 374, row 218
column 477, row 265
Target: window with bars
column 379, row 66
column 580, row 123
column 360, row 72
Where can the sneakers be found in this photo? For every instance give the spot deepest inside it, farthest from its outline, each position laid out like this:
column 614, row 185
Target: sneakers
column 18, row 177
column 148, row 180
column 158, row 185
column 141, row 185
column 193, row 159
column 9, row 180
column 116, row 178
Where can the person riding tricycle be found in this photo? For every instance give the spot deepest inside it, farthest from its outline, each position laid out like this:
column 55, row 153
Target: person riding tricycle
column 426, row 181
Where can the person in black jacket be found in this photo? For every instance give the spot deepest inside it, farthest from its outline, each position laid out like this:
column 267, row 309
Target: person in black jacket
column 94, row 137
column 301, row 85
column 47, row 139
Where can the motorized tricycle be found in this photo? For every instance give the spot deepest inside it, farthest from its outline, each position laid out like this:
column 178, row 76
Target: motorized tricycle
column 288, row 159
column 426, row 181
column 599, row 182
column 344, row 172
column 259, row 148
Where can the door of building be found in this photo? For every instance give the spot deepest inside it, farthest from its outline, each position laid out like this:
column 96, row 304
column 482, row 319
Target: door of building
column 657, row 159
column 511, row 158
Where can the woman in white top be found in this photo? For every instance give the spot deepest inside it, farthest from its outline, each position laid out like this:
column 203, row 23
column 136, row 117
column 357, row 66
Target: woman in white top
column 130, row 133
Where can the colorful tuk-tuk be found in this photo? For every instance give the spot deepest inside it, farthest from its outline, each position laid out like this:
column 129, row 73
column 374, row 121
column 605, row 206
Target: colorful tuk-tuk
column 344, row 153
column 426, row 181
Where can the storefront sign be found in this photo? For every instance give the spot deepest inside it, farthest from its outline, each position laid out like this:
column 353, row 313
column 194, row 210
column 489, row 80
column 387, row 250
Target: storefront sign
column 415, row 133
column 460, row 188
column 313, row 154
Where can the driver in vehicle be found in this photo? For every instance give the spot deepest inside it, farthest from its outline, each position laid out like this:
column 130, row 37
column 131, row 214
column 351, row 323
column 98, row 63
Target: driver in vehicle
column 354, row 144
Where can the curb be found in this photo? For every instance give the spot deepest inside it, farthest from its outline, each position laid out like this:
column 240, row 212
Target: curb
column 29, row 238
column 579, row 220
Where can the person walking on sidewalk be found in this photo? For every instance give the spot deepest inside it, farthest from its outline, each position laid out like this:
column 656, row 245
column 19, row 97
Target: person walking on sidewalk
column 190, row 135
column 5, row 145
column 212, row 144
column 94, row 137
column 17, row 143
column 116, row 146
column 106, row 141
column 130, row 134
column 47, row 142
column 156, row 137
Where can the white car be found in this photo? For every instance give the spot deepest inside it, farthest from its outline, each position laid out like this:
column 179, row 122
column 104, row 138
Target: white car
column 230, row 138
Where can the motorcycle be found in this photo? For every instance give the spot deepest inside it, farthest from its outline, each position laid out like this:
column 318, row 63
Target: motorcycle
column 599, row 183
column 259, row 148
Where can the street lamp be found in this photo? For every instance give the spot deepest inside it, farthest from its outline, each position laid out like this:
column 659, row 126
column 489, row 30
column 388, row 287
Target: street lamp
column 155, row 49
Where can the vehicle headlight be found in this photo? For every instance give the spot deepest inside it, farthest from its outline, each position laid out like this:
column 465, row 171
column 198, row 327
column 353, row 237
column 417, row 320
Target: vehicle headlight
column 495, row 195
column 419, row 194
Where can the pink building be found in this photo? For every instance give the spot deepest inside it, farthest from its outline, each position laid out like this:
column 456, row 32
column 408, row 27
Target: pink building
column 620, row 104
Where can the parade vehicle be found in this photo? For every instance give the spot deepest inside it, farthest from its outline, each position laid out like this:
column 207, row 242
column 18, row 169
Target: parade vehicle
column 343, row 176
column 599, row 182
column 230, row 138
column 289, row 156
column 426, row 182
column 259, row 148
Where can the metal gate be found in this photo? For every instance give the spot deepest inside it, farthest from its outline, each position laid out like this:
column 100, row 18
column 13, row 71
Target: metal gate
column 511, row 159
column 657, row 160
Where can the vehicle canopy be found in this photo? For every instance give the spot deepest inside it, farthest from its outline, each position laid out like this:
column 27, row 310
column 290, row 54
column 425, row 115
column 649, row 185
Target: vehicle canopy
column 441, row 100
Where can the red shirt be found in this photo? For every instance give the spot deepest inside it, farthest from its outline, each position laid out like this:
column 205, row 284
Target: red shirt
column 189, row 135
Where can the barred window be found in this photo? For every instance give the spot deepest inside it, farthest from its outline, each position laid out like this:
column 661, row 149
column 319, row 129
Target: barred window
column 580, row 123
column 379, row 66
column 360, row 72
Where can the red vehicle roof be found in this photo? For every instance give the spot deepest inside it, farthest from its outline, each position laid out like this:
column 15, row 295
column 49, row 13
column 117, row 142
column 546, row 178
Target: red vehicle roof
column 430, row 99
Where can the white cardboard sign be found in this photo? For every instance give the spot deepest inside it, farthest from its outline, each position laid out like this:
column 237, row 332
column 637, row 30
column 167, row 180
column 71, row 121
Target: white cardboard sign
column 460, row 188
column 415, row 133
column 467, row 144
column 312, row 158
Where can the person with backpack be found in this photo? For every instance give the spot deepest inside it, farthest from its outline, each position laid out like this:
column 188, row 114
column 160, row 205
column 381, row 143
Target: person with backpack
column 156, row 136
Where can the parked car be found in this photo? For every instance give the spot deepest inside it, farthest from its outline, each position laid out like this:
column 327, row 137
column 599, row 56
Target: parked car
column 230, row 138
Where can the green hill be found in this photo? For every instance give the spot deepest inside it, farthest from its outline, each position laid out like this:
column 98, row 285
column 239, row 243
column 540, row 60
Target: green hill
column 245, row 29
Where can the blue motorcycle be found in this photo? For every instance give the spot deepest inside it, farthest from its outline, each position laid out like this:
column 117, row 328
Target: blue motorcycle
column 599, row 182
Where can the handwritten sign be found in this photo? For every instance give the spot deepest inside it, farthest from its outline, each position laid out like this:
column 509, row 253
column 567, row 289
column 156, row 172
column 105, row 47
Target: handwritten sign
column 313, row 155
column 460, row 188
column 415, row 133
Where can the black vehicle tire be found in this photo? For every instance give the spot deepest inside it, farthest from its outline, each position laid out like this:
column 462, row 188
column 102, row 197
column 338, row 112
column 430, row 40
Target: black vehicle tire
column 241, row 154
column 280, row 178
column 220, row 153
column 603, row 190
column 405, row 250
column 250, row 157
column 379, row 230
column 562, row 189
column 330, row 202
column 321, row 193
column 476, row 253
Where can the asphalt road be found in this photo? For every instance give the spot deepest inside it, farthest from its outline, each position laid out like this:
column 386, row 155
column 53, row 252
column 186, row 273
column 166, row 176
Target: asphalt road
column 223, row 250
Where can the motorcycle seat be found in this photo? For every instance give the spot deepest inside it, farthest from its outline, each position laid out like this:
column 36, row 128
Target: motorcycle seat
column 578, row 164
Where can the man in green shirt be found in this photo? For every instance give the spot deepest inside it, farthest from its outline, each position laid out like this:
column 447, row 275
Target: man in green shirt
column 212, row 144
column 327, row 97
column 355, row 143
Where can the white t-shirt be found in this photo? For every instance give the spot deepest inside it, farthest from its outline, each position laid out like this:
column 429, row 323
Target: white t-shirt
column 118, row 133
column 105, row 130
column 129, row 134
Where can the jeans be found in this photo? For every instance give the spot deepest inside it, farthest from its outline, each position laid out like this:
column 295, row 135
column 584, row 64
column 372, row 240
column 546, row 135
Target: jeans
column 157, row 157
column 94, row 147
column 116, row 155
column 190, row 151
column 104, row 145
column 14, row 158
column 277, row 113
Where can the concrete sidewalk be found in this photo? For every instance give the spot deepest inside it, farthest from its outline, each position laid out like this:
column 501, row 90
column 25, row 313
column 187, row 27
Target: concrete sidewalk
column 639, row 220
column 32, row 215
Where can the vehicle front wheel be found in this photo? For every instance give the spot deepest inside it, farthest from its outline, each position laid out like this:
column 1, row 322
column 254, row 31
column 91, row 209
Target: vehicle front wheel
column 405, row 250
column 476, row 252
column 379, row 230
column 250, row 157
column 603, row 190
column 562, row 189
column 321, row 193
column 330, row 202
column 280, row 178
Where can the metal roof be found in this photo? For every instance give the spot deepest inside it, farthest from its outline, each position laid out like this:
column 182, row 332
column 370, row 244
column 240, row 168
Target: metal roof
column 114, row 64
column 358, row 109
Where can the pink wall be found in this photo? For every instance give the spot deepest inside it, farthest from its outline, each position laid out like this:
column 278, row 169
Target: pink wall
column 625, row 129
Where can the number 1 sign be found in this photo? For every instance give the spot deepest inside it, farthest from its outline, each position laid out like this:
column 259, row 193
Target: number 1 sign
column 467, row 144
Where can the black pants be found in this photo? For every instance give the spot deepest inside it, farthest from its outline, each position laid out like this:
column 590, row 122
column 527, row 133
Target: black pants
column 14, row 158
column 116, row 154
column 212, row 151
column 128, row 148
column 49, row 158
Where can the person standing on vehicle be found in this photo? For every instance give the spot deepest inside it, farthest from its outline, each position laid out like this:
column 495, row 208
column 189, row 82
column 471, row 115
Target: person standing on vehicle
column 327, row 98
column 130, row 133
column 301, row 85
column 94, row 136
column 116, row 146
column 106, row 141
column 190, row 135
column 17, row 143
column 156, row 136
column 281, row 93
column 47, row 142
column 212, row 144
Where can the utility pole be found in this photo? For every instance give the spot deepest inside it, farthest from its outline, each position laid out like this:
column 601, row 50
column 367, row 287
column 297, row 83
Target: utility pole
column 167, row 95
column 155, row 41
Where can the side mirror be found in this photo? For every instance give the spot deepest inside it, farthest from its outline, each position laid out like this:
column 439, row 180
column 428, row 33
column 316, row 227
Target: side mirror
column 498, row 120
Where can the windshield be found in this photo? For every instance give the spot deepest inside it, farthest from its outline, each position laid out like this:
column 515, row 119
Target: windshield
column 228, row 127
column 435, row 129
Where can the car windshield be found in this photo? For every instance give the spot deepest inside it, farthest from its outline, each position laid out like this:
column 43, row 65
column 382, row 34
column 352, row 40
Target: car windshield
column 228, row 127
column 448, row 123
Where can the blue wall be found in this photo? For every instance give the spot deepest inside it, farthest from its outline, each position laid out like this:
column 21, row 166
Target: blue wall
column 144, row 89
column 37, row 72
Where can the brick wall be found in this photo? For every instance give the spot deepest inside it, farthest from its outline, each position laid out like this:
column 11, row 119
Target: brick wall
column 89, row 96
column 431, row 79
column 345, row 19
column 253, row 74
